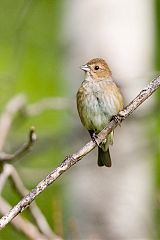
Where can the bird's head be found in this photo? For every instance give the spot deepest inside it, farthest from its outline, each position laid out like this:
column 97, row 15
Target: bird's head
column 97, row 68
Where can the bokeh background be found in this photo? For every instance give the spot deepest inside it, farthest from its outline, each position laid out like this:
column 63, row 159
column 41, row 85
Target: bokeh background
column 42, row 45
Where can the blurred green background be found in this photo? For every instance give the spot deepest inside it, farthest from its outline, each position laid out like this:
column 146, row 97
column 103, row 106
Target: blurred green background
column 31, row 60
column 31, row 63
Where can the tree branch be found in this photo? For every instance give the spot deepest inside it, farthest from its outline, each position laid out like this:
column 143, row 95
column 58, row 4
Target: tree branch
column 14, row 105
column 74, row 158
column 42, row 226
column 52, row 103
column 23, row 224
column 36, row 213
column 6, row 157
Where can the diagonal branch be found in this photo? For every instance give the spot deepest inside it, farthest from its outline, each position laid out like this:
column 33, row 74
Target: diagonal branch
column 74, row 158
column 36, row 213
column 42, row 226
column 23, row 224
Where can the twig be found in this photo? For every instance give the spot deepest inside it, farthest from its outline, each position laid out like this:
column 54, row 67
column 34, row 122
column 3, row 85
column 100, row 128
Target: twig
column 6, row 157
column 4, row 176
column 15, row 104
column 74, row 158
column 56, row 103
column 19, row 104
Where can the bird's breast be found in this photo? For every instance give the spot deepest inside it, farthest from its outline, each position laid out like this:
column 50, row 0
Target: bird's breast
column 95, row 105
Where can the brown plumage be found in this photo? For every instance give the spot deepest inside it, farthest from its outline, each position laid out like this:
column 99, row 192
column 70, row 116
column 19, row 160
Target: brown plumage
column 98, row 99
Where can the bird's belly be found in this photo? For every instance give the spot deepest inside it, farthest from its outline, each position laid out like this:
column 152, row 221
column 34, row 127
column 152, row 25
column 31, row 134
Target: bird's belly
column 96, row 113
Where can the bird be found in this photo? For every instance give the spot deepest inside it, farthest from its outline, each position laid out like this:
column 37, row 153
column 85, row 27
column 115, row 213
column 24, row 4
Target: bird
column 98, row 100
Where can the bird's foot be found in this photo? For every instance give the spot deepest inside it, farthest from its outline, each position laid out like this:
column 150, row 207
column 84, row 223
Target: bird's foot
column 95, row 139
column 118, row 118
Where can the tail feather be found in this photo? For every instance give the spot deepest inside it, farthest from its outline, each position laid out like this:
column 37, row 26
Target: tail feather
column 104, row 158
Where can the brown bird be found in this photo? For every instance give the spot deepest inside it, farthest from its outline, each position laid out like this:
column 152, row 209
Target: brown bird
column 98, row 99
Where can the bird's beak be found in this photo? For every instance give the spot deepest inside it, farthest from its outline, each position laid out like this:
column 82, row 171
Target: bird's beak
column 85, row 68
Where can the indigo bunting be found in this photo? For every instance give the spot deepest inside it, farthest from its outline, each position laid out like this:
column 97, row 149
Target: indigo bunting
column 98, row 100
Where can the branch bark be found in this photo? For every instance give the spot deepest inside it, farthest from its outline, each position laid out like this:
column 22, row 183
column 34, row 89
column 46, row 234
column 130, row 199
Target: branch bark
column 42, row 229
column 35, row 211
column 74, row 158
column 22, row 224
column 42, row 226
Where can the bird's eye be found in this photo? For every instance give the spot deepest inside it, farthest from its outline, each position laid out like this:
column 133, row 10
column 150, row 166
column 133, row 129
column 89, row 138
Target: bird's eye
column 96, row 67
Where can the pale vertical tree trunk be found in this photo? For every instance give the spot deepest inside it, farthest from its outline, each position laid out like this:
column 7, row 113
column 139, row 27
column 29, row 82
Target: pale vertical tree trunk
column 113, row 203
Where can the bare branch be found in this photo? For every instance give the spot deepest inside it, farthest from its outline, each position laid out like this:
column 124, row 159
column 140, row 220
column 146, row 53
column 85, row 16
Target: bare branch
column 15, row 104
column 56, row 103
column 34, row 210
column 22, row 151
column 74, row 158
column 10, row 172
column 22, row 224
column 18, row 104
column 4, row 176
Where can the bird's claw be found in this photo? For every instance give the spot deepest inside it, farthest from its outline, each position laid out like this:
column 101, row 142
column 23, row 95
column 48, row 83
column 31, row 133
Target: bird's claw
column 95, row 139
column 118, row 118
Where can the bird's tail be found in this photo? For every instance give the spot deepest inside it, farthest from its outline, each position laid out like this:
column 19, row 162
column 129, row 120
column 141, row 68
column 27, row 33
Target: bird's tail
column 104, row 158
